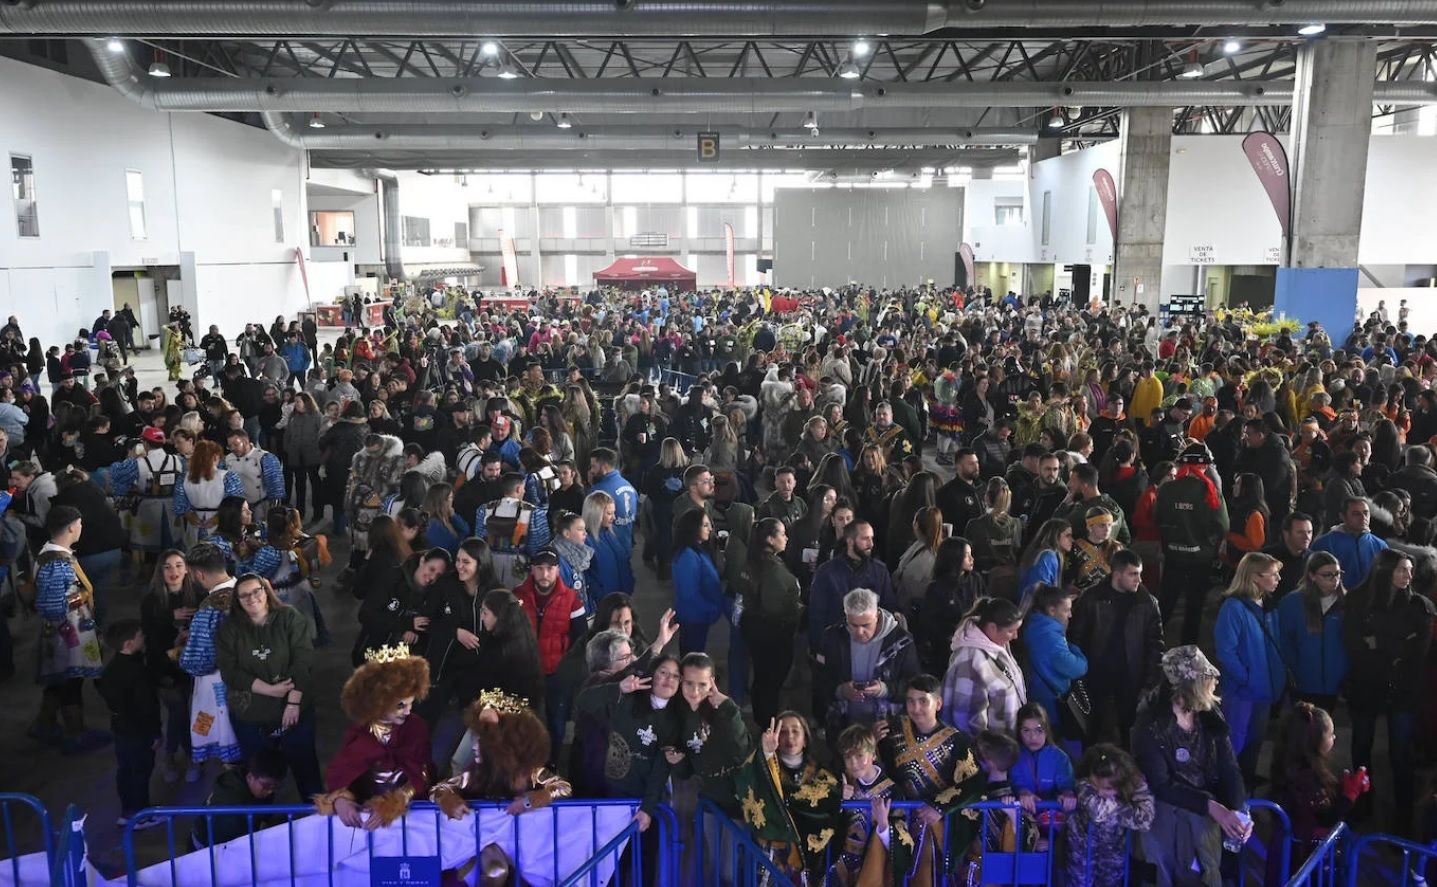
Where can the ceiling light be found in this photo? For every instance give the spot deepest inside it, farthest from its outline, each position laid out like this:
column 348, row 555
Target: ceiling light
column 115, row 45
column 1055, row 122
column 811, row 121
column 159, row 69
column 507, row 71
column 849, row 71
column 861, row 48
column 490, row 48
column 315, row 122
column 536, row 116
column 1312, row 30
column 1231, row 47
column 565, row 122
column 1192, row 71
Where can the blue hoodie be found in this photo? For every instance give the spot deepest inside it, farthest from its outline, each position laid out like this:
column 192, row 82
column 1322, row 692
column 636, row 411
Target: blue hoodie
column 698, row 593
column 1250, row 662
column 1045, row 772
column 1318, row 660
column 609, row 571
column 1053, row 662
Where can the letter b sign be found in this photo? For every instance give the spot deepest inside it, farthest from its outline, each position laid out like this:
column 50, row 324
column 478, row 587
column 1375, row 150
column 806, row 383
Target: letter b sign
column 708, row 147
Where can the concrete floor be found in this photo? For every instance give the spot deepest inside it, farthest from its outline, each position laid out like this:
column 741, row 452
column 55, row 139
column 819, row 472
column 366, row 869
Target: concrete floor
column 88, row 780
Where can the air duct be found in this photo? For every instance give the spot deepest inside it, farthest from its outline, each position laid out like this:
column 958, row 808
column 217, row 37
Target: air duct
column 865, row 159
column 610, row 138
column 672, row 18
column 389, row 206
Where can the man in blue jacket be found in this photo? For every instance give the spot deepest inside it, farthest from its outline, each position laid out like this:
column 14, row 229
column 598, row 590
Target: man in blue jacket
column 853, row 567
column 296, row 357
column 1351, row 543
column 603, row 475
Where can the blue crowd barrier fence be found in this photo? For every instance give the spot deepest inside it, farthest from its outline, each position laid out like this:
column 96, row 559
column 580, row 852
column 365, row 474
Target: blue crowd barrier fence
column 416, row 835
column 1037, row 867
column 10, row 804
column 734, row 857
column 1321, row 868
column 628, row 861
column 1414, row 858
column 67, row 866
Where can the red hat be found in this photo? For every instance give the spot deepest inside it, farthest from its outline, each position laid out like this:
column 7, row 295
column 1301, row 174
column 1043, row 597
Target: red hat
column 153, row 435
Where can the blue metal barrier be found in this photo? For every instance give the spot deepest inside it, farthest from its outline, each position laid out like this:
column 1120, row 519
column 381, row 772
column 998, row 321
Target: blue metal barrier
column 665, row 822
column 1424, row 854
column 1281, row 837
column 9, row 801
column 67, row 866
column 746, row 860
column 1321, row 867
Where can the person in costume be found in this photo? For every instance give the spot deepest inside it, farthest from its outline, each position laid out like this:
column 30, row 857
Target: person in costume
column 198, row 493
column 789, row 802
column 1089, row 563
column 877, row 847
column 511, row 748
column 383, row 761
column 142, row 486
column 930, row 762
column 212, row 735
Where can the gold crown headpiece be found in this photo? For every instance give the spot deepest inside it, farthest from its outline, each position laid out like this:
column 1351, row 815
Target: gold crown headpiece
column 387, row 653
column 504, row 703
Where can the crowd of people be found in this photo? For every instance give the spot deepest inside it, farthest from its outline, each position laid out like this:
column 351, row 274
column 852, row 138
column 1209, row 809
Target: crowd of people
column 962, row 548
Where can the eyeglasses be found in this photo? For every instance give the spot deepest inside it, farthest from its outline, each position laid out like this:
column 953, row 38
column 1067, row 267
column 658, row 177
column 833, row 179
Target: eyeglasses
column 257, row 594
column 1329, row 574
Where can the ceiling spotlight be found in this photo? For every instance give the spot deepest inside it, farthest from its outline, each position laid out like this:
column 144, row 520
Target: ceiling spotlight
column 507, row 71
column 1056, row 121
column 811, row 121
column 1192, row 71
column 1231, row 47
column 159, row 69
column 861, row 48
column 1312, row 30
column 115, row 45
column 315, row 122
column 849, row 71
column 490, row 48
column 564, row 122
column 536, row 116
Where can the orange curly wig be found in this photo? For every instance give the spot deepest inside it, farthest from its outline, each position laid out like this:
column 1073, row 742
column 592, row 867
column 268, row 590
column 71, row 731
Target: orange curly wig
column 517, row 744
column 376, row 687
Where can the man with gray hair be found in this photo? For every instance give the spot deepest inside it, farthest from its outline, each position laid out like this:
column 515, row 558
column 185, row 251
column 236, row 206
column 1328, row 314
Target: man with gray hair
column 607, row 653
column 864, row 663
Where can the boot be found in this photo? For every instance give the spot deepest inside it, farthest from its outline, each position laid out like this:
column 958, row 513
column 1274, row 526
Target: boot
column 77, row 739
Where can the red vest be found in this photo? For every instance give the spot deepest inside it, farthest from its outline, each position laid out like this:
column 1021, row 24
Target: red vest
column 553, row 632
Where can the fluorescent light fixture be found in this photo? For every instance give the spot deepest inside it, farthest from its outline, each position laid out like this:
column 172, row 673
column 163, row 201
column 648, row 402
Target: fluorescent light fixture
column 159, row 69
column 115, row 45
column 811, row 121
column 1312, row 30
column 861, row 48
column 1231, row 47
column 564, row 121
column 849, row 71
column 490, row 48
column 315, row 122
column 1192, row 71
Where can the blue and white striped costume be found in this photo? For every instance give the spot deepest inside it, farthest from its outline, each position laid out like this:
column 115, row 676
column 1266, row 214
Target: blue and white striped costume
column 203, row 499
column 211, row 733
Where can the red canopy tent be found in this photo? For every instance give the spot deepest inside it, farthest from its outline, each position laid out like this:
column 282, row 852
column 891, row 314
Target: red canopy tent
column 635, row 274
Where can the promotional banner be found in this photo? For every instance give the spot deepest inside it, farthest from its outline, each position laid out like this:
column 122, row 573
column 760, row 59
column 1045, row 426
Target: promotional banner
column 1269, row 161
column 728, row 250
column 965, row 252
column 509, row 272
column 303, row 273
column 1108, row 197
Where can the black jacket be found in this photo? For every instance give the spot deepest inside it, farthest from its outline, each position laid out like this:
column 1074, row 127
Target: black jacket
column 103, row 530
column 1094, row 622
column 1387, row 648
column 391, row 603
column 130, row 694
column 1421, row 482
column 897, row 662
column 1156, row 741
column 936, row 616
column 959, row 502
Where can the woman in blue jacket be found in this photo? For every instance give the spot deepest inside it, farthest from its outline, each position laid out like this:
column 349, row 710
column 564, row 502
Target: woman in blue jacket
column 1042, row 563
column 609, row 571
column 1053, row 662
column 1309, row 632
column 1247, row 653
column 698, row 593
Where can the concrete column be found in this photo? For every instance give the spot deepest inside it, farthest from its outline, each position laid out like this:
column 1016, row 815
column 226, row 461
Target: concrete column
column 1143, row 160
column 1331, row 128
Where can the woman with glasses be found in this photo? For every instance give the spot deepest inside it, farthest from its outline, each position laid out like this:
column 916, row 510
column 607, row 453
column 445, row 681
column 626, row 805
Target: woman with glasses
column 1309, row 632
column 266, row 660
column 1252, row 667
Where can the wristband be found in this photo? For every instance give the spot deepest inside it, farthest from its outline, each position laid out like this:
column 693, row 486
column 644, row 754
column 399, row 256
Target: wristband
column 295, row 704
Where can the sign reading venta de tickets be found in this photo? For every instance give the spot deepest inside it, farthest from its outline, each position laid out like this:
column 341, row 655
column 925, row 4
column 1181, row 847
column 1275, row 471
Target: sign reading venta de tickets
column 1269, row 161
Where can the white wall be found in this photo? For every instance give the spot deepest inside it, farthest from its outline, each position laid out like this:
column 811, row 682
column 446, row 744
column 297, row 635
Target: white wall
column 990, row 241
column 443, row 202
column 207, row 185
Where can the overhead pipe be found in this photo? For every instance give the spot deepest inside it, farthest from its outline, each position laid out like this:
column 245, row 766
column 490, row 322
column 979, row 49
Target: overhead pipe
column 391, row 235
column 510, row 138
column 669, row 18
column 866, row 159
